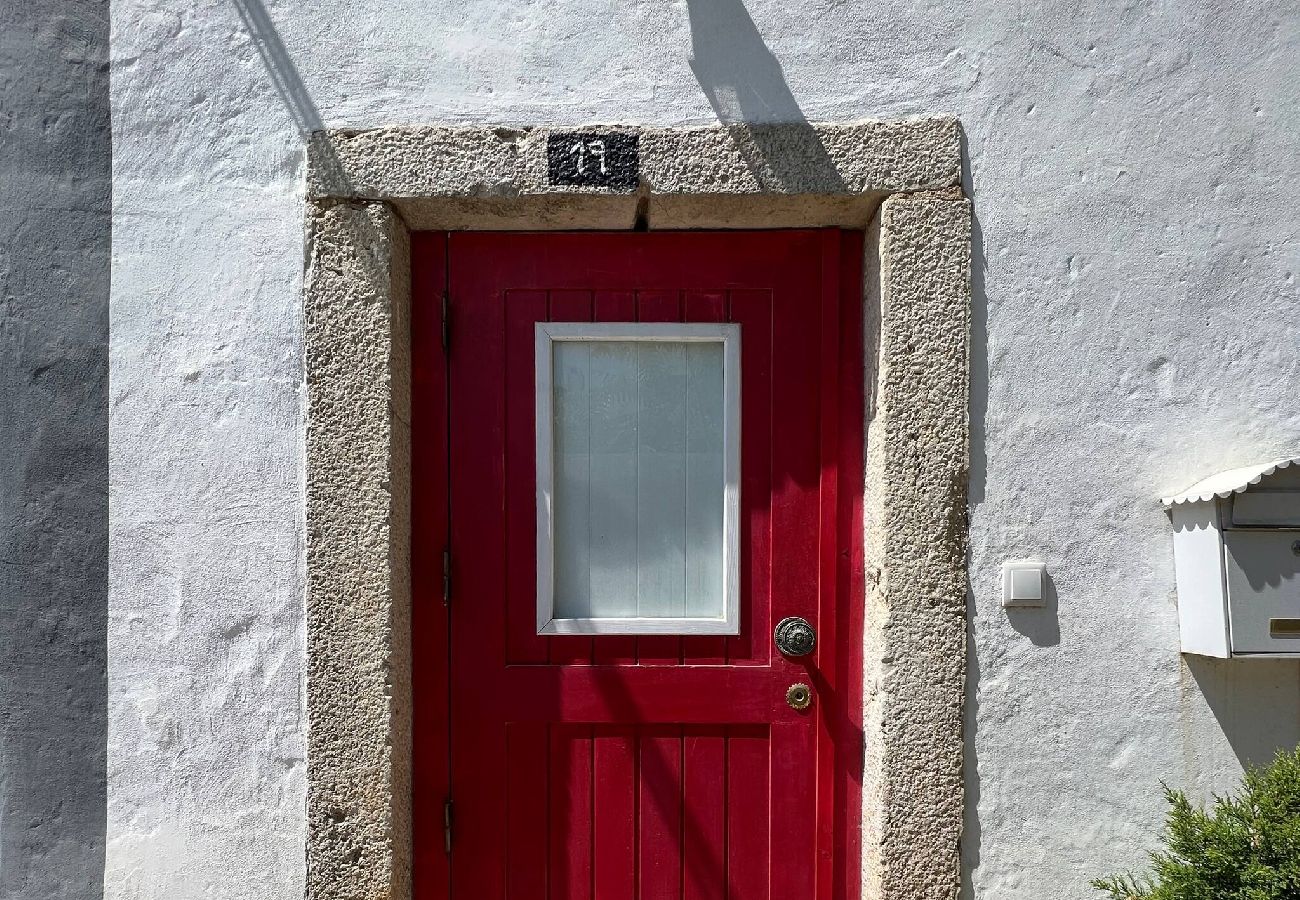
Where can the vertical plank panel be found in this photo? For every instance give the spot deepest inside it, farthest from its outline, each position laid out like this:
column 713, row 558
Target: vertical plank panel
column 825, row 682
column 704, row 805
column 753, row 310
column 703, row 306
column 659, row 306
column 661, row 480
column 614, row 813
column 660, row 867
column 570, row 819
column 796, row 456
column 571, row 461
column 570, row 306
column 702, row 477
column 526, row 778
column 614, row 306
column 479, row 498
column 846, row 716
column 430, row 748
column 522, row 310
column 614, row 462
column 748, row 814
column 797, row 578
column 794, row 808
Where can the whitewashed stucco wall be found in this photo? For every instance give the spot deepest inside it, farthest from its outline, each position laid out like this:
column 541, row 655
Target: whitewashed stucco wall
column 1136, row 176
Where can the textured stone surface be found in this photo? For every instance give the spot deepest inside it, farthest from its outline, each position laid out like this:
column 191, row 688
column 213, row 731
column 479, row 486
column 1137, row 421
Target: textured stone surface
column 358, row 562
column 55, row 185
column 918, row 464
column 792, row 158
column 778, row 176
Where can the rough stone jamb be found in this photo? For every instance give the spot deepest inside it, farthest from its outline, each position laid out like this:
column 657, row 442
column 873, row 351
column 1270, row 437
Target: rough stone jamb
column 918, row 461
column 357, row 301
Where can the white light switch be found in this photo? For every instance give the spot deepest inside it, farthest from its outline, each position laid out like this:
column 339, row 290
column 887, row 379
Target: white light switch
column 1023, row 583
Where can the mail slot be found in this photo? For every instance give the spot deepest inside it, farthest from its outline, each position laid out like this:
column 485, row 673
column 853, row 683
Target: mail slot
column 1284, row 628
column 1237, row 561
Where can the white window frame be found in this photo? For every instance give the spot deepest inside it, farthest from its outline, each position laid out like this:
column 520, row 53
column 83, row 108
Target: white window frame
column 547, row 334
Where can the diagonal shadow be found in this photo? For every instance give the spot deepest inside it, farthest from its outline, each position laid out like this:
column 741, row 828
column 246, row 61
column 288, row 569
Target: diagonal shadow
column 749, row 94
column 972, row 830
column 284, row 74
column 294, row 95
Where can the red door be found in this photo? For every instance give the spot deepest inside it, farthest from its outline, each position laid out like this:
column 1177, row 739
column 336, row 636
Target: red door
column 633, row 765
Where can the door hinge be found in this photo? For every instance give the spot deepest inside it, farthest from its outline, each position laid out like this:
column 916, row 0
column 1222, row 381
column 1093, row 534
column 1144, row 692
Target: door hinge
column 446, row 577
column 446, row 826
column 446, row 327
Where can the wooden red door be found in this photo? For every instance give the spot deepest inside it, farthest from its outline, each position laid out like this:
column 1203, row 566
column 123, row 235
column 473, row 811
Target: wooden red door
column 614, row 767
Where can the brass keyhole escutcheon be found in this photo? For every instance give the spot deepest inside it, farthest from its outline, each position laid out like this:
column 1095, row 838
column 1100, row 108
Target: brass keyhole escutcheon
column 799, row 696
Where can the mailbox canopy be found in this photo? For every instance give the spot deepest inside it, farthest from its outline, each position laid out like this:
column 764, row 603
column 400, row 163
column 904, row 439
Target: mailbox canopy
column 1237, row 561
column 1233, row 481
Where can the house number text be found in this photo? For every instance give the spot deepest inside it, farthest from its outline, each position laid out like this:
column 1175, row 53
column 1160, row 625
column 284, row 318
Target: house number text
column 607, row 159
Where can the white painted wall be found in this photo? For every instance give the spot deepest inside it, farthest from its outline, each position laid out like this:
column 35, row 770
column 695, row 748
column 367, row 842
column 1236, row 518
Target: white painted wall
column 1136, row 174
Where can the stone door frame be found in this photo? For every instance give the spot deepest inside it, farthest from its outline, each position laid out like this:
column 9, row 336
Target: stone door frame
column 367, row 190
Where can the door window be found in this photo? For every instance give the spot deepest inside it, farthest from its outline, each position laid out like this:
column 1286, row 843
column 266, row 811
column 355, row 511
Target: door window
column 638, row 473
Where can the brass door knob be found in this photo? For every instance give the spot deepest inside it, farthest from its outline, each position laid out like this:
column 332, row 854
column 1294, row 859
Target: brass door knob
column 799, row 696
column 794, row 636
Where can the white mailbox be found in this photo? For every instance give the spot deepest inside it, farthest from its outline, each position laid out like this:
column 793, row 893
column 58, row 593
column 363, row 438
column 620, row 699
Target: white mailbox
column 1237, row 562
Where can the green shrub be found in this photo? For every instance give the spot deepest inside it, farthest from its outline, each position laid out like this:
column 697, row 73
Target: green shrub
column 1246, row 848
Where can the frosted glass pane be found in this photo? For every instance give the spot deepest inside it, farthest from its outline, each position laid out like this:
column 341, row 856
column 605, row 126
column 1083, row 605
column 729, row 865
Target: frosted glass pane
column 639, row 479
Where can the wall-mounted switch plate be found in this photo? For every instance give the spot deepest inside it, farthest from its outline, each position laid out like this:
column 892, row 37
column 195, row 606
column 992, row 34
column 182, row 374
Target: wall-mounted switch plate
column 1024, row 584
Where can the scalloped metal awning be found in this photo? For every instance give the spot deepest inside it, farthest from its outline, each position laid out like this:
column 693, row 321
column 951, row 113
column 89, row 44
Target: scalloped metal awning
column 1233, row 481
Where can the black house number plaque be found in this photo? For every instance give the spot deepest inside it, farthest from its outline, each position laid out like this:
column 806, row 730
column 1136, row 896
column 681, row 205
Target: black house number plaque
column 606, row 159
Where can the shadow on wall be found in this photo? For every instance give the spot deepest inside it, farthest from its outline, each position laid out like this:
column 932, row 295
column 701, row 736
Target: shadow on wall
column 292, row 91
column 284, row 75
column 1044, row 628
column 1041, row 624
column 1256, row 703
column 55, row 190
column 747, row 89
